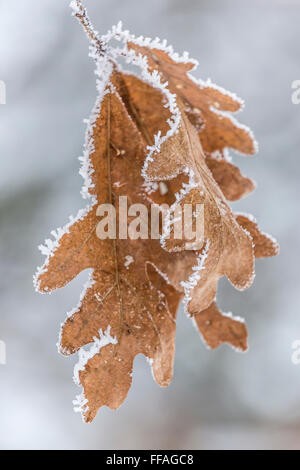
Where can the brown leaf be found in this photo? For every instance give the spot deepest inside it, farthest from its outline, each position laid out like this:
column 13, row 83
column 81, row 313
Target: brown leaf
column 207, row 106
column 120, row 299
column 229, row 178
column 149, row 328
column 218, row 328
column 145, row 105
column 227, row 248
column 129, row 306
column 264, row 245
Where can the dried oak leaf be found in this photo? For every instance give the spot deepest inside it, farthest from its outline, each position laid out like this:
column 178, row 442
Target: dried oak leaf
column 122, row 302
column 144, row 103
column 206, row 105
column 232, row 183
column 129, row 305
column 146, row 106
column 264, row 244
column 227, row 247
column 218, row 328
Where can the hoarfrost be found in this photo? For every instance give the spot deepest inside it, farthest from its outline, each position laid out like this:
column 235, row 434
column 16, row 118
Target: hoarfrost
column 103, row 71
column 195, row 277
column 184, row 190
column 254, row 220
column 74, row 6
column 51, row 245
column 81, row 403
column 150, row 186
column 238, row 125
column 163, row 275
column 85, row 355
column 88, row 285
column 128, row 260
column 163, row 188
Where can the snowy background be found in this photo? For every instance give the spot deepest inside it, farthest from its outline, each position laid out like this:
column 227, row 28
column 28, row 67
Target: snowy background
column 218, row 399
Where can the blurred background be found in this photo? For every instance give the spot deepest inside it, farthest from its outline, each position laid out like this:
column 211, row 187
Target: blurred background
column 219, row 399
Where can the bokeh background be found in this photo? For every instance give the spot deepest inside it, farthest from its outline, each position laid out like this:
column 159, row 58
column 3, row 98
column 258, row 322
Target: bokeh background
column 219, row 399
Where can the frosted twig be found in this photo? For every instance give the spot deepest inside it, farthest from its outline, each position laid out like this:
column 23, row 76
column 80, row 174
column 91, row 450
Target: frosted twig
column 81, row 14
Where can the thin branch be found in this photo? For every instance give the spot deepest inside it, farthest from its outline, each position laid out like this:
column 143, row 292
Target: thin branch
column 81, row 14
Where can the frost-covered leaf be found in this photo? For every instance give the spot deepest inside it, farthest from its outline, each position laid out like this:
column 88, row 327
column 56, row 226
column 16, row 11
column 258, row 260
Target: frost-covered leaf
column 233, row 184
column 119, row 297
column 227, row 248
column 218, row 328
column 160, row 138
column 208, row 107
column 264, row 244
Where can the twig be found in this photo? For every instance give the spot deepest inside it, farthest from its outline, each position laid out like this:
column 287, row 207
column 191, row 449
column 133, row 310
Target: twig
column 81, row 14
